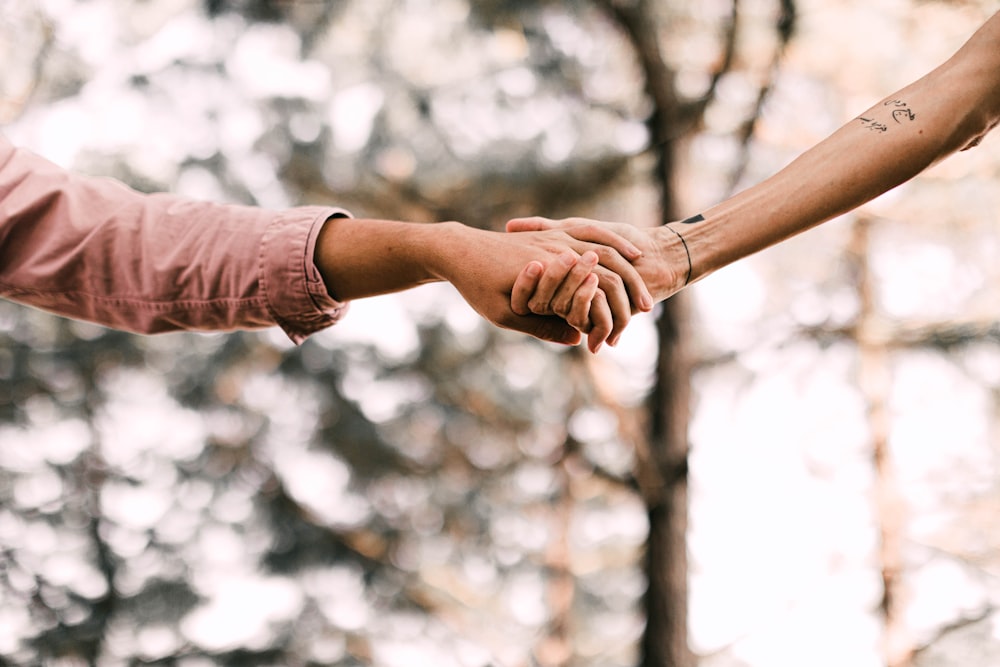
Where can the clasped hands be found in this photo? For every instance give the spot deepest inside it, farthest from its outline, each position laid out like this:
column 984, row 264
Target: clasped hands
column 555, row 280
column 605, row 273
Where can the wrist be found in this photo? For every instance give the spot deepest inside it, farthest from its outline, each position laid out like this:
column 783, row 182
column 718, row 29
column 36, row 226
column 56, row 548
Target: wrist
column 441, row 248
column 360, row 258
column 670, row 266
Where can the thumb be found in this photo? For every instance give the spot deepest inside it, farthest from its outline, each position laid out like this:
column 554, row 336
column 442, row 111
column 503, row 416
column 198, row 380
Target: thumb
column 532, row 224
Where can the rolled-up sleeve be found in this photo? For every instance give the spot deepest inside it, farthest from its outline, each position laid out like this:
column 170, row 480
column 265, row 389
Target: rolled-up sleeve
column 291, row 284
column 93, row 249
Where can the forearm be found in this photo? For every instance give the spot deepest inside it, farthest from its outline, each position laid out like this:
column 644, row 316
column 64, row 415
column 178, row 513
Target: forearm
column 947, row 110
column 361, row 258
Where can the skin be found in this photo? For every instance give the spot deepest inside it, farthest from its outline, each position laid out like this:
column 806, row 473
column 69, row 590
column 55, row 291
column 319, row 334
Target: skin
column 362, row 258
column 950, row 109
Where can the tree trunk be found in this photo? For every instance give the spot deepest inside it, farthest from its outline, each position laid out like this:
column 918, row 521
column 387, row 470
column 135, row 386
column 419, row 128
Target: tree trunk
column 874, row 382
column 664, row 643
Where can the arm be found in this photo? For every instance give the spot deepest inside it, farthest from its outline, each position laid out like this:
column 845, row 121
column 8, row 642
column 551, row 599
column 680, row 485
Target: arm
column 92, row 249
column 948, row 110
column 360, row 258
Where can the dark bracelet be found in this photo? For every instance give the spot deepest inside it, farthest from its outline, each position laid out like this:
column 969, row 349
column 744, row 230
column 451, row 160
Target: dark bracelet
column 686, row 252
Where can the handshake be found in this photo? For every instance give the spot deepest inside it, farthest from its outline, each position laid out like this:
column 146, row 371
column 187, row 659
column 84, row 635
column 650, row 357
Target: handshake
column 559, row 281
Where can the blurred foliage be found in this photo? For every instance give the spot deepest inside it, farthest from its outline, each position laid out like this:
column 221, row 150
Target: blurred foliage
column 414, row 487
column 413, row 498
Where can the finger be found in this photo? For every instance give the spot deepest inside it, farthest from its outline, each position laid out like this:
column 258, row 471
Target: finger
column 579, row 313
column 532, row 224
column 601, row 320
column 613, row 288
column 524, row 287
column 565, row 297
column 552, row 277
column 614, row 250
column 612, row 234
column 635, row 287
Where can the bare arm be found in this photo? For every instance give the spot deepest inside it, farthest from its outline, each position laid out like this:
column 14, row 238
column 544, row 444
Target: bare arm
column 949, row 109
column 359, row 258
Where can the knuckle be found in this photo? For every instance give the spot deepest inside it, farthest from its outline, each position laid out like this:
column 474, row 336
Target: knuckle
column 604, row 253
column 539, row 307
column 613, row 281
column 578, row 322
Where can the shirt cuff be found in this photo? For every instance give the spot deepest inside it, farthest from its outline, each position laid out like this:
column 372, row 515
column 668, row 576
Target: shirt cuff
column 291, row 283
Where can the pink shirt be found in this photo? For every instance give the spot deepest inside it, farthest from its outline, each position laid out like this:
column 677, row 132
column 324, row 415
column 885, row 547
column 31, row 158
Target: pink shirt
column 93, row 249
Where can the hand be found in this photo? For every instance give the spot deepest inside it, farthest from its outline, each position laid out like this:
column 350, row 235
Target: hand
column 587, row 309
column 483, row 266
column 662, row 266
column 359, row 258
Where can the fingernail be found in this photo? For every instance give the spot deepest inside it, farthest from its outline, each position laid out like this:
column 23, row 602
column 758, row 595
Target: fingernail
column 646, row 302
column 534, row 270
column 567, row 259
column 597, row 348
column 636, row 253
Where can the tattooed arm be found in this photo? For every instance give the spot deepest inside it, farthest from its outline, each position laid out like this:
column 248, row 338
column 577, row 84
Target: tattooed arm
column 948, row 110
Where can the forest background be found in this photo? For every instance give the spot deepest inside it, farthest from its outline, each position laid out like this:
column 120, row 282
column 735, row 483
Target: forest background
column 794, row 462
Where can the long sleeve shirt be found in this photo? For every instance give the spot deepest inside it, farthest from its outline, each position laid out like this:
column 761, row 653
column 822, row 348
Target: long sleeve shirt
column 93, row 249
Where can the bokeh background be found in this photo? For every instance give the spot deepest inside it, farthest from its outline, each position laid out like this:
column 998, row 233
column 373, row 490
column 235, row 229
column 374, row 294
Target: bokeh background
column 795, row 462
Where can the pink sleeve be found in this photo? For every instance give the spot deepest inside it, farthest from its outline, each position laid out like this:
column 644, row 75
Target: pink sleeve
column 93, row 249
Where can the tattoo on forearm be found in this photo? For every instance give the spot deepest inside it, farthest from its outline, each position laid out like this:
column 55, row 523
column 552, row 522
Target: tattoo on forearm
column 900, row 111
column 873, row 124
column 687, row 252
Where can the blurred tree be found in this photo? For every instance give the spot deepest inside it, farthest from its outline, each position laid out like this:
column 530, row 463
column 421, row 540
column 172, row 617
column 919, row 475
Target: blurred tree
column 414, row 487
column 671, row 119
column 214, row 467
